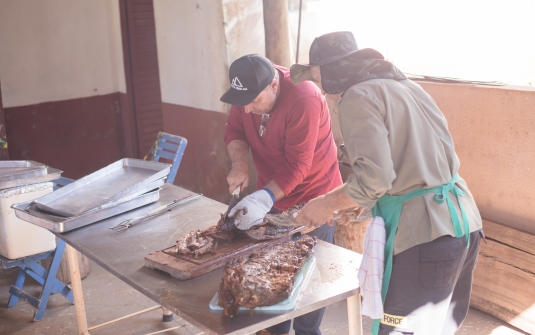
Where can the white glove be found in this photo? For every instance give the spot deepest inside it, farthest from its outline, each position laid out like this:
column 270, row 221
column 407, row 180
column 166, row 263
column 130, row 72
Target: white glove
column 252, row 209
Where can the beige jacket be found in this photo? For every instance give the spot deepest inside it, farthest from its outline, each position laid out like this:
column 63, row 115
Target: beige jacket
column 397, row 141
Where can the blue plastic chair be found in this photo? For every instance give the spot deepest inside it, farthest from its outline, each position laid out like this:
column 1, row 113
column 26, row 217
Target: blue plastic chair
column 168, row 149
column 29, row 265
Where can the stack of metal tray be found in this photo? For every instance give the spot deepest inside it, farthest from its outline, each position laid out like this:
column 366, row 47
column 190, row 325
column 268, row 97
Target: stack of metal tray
column 20, row 173
column 119, row 187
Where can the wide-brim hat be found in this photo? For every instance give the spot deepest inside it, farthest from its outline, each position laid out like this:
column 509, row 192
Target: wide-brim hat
column 360, row 66
column 329, row 48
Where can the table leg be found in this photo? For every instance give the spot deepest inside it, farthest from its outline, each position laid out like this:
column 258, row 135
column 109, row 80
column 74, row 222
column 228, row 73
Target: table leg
column 76, row 283
column 353, row 315
column 167, row 315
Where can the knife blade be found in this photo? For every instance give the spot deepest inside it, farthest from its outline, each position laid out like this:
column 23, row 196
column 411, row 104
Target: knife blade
column 289, row 220
column 283, row 220
column 233, row 202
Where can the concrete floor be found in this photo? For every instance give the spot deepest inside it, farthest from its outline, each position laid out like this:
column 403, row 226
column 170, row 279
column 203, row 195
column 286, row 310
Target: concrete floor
column 107, row 298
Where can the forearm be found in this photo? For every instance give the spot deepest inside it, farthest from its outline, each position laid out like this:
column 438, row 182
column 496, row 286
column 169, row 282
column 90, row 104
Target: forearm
column 321, row 209
column 275, row 189
column 337, row 199
column 239, row 172
column 237, row 150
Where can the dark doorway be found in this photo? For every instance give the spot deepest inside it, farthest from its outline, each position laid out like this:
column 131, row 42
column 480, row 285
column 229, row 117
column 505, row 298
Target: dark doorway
column 142, row 112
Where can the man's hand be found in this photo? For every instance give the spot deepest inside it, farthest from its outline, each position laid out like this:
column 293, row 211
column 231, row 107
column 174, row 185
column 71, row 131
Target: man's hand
column 322, row 209
column 252, row 209
column 315, row 213
column 345, row 216
column 238, row 177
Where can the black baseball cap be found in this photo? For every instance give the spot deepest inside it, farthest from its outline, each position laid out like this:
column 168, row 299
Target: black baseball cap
column 249, row 75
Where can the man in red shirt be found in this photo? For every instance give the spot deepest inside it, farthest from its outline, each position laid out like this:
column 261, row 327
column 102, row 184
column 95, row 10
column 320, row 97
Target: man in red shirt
column 288, row 129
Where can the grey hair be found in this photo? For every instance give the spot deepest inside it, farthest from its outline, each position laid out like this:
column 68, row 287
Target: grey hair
column 276, row 77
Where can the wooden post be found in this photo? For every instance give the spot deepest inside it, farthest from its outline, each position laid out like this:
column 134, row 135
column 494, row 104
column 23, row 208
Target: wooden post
column 78, row 295
column 3, row 137
column 277, row 32
column 354, row 316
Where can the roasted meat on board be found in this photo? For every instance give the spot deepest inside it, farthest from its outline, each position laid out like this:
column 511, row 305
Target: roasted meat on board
column 199, row 242
column 264, row 278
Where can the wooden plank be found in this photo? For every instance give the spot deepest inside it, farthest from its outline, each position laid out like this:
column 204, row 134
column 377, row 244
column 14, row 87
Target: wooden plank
column 521, row 240
column 185, row 267
column 504, row 279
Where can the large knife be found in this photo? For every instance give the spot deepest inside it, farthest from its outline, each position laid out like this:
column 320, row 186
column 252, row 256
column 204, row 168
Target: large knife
column 283, row 220
column 289, row 220
column 233, row 202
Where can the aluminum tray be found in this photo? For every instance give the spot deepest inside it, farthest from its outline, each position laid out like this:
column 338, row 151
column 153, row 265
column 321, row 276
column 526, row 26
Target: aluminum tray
column 26, row 212
column 106, row 185
column 53, row 174
column 13, row 170
column 130, row 196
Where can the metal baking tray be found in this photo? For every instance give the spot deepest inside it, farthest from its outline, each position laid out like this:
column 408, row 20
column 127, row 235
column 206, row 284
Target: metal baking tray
column 53, row 174
column 13, row 170
column 26, row 211
column 130, row 196
column 108, row 184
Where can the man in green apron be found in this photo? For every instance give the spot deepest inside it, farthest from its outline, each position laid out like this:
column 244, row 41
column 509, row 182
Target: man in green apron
column 404, row 169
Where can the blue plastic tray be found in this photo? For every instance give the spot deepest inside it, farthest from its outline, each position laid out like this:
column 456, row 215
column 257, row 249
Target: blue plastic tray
column 301, row 280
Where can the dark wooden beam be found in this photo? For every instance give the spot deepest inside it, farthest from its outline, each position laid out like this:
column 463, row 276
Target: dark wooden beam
column 4, row 155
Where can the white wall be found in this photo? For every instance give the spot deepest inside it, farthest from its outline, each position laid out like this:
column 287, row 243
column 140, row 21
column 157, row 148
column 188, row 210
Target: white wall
column 244, row 28
column 191, row 52
column 197, row 40
column 59, row 49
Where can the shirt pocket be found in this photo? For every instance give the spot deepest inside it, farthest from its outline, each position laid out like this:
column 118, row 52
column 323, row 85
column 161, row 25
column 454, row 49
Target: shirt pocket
column 440, row 261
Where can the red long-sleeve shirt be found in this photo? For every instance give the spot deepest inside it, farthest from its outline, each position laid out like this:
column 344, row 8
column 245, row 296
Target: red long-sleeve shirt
column 298, row 152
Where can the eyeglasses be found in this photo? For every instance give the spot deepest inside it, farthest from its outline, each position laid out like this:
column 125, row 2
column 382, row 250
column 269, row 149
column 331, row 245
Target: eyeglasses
column 262, row 129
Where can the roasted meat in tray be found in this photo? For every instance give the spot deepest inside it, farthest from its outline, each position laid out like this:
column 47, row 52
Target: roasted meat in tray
column 199, row 242
column 264, row 278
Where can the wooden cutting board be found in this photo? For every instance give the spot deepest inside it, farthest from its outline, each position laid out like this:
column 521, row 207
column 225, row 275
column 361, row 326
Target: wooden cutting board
column 186, row 267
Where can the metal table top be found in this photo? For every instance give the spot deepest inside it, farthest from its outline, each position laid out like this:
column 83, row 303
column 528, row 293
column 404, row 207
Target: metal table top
column 333, row 279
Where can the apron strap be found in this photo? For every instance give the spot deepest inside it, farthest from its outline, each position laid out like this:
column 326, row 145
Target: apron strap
column 389, row 208
column 442, row 194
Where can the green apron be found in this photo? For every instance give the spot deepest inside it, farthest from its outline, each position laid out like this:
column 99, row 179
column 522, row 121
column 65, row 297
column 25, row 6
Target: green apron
column 389, row 208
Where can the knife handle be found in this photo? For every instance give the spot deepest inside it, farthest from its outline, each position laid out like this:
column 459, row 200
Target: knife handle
column 236, row 192
column 157, row 210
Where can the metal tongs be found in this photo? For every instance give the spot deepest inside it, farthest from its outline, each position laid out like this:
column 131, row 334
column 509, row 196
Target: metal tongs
column 155, row 212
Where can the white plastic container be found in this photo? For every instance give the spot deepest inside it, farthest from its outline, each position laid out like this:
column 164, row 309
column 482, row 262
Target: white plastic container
column 19, row 238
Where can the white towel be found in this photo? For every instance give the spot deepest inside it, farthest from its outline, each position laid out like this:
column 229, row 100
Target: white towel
column 371, row 270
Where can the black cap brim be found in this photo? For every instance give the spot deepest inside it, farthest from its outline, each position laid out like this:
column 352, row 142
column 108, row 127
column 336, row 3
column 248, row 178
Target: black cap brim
column 238, row 98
